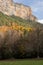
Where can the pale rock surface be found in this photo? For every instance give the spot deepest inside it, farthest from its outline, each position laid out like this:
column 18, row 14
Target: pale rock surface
column 8, row 7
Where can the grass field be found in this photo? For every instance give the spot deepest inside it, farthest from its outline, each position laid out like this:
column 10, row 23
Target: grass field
column 22, row 62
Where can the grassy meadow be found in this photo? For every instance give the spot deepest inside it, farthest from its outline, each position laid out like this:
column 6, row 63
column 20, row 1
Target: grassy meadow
column 22, row 62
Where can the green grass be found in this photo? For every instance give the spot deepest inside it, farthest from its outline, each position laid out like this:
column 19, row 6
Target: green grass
column 22, row 62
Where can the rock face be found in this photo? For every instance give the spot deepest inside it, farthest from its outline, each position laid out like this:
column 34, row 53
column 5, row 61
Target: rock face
column 8, row 7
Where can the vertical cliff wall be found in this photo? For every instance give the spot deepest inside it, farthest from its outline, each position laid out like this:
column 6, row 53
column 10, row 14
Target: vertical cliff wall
column 8, row 7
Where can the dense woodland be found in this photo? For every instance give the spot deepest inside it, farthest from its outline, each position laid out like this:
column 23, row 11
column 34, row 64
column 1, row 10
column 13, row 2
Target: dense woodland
column 14, row 45
column 20, row 43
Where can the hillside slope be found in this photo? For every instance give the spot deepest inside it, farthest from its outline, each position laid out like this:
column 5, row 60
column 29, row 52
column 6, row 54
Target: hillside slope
column 8, row 20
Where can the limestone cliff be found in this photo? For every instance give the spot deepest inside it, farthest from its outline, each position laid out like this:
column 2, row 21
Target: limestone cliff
column 8, row 7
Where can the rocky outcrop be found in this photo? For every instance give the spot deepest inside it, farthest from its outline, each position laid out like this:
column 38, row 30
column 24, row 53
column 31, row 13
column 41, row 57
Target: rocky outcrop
column 8, row 7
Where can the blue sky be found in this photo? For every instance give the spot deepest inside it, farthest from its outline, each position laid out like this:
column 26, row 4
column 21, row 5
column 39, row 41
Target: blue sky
column 36, row 5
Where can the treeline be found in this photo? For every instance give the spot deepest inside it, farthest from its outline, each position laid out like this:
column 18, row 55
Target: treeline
column 13, row 44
